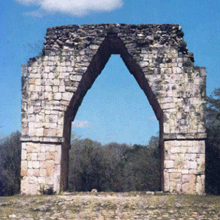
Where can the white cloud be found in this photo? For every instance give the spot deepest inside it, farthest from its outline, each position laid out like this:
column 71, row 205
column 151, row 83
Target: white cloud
column 80, row 124
column 72, row 7
column 37, row 13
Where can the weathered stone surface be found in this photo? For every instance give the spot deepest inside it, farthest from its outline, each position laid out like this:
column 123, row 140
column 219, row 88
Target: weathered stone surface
column 54, row 84
column 183, row 159
column 134, row 205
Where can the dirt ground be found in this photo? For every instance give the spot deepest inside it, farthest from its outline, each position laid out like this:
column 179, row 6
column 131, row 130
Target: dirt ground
column 101, row 206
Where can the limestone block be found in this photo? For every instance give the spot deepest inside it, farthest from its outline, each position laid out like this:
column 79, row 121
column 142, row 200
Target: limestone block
column 201, row 147
column 51, row 132
column 57, row 178
column 194, row 148
column 166, row 128
column 43, row 172
column 23, row 154
column 200, row 184
column 59, row 131
column 50, row 156
column 53, row 118
column 49, row 182
column 31, row 81
column 193, row 171
column 31, row 88
column 24, row 131
column 34, row 69
column 41, row 156
column 75, row 78
column 32, row 156
column 49, row 167
column 67, row 96
column 190, row 157
column 30, row 172
column 43, row 164
column 180, row 162
column 36, row 76
column 69, row 68
column 38, row 88
column 166, row 181
column 42, row 148
column 55, row 89
column 52, row 148
column 57, row 96
column 174, row 170
column 201, row 163
column 167, row 105
column 48, row 89
column 25, row 186
column 32, row 131
column 30, row 164
column 58, row 155
column 56, row 82
column 51, row 75
column 168, row 164
column 24, row 166
column 34, row 189
column 177, row 70
column 33, row 180
column 188, row 181
column 175, row 182
column 192, row 165
column 47, row 69
column 30, row 109
column 36, row 172
column 180, row 65
column 185, row 171
column 94, row 46
column 38, row 82
column 61, row 88
column 36, row 164
column 175, row 149
column 41, row 179
column 32, row 120
column 61, row 120
column 46, row 131
column 39, row 131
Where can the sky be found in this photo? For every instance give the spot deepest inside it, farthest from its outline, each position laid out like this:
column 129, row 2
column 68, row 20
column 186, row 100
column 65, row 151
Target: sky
column 115, row 108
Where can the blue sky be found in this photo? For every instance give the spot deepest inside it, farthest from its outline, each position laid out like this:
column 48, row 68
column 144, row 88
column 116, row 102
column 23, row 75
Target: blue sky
column 115, row 108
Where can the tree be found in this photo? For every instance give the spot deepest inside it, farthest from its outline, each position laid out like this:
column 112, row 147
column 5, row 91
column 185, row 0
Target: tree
column 114, row 167
column 142, row 167
column 10, row 159
column 213, row 143
column 84, row 165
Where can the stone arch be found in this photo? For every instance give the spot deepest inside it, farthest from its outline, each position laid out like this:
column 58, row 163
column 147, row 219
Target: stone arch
column 55, row 83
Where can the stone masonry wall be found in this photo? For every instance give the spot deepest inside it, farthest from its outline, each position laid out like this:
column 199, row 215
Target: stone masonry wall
column 54, row 84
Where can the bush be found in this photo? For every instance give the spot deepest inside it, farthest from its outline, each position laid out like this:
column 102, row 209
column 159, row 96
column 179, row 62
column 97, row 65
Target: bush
column 213, row 143
column 10, row 159
column 114, row 167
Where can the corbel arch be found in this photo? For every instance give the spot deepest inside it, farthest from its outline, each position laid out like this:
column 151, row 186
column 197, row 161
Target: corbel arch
column 55, row 84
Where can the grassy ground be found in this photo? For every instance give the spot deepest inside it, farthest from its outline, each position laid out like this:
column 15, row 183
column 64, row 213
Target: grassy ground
column 131, row 205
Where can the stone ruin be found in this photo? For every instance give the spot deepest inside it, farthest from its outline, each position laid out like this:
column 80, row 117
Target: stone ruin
column 55, row 83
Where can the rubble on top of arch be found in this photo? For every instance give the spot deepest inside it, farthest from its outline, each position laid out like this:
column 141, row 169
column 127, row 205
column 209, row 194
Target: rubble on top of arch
column 81, row 36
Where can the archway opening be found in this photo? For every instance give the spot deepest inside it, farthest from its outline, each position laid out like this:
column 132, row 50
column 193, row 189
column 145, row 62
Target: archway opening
column 115, row 146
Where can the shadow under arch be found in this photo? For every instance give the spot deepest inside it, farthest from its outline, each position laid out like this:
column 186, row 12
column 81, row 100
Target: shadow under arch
column 112, row 44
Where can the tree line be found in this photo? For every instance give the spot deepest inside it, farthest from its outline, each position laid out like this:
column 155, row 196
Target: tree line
column 115, row 167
